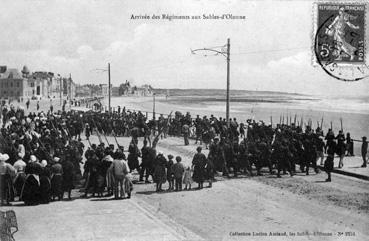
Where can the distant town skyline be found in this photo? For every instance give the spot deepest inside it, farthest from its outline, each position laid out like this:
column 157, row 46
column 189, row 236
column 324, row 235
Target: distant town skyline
column 270, row 48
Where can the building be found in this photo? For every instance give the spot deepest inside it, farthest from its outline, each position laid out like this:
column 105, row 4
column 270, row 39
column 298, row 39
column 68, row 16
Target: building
column 16, row 85
column 13, row 85
column 43, row 84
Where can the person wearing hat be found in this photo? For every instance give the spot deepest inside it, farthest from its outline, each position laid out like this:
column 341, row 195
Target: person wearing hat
column 329, row 161
column 7, row 173
column 20, row 175
column 320, row 149
column 57, row 180
column 31, row 194
column 159, row 171
column 364, row 150
column 68, row 175
column 178, row 170
column 170, row 174
column 119, row 170
column 45, row 184
column 148, row 155
column 198, row 165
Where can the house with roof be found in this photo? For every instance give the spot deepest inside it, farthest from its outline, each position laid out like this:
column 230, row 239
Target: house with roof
column 22, row 85
column 13, row 84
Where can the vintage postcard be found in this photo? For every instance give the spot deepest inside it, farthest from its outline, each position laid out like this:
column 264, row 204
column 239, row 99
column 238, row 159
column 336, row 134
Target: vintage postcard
column 184, row 120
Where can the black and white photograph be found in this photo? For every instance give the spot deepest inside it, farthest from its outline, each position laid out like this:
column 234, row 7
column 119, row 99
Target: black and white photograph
column 193, row 120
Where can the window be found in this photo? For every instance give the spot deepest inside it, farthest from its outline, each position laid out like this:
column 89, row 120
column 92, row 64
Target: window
column 18, row 83
column 11, row 84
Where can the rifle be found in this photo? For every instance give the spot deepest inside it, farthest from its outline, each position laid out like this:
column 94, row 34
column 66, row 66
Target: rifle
column 97, row 130
column 156, row 139
column 341, row 124
column 43, row 146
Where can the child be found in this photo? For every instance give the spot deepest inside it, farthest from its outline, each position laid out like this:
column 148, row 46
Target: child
column 178, row 170
column 187, row 179
column 170, row 174
column 128, row 185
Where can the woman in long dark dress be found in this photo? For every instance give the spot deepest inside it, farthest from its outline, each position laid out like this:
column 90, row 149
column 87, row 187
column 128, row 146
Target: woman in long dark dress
column 31, row 194
column 45, row 183
column 159, row 171
column 7, row 173
column 57, row 180
column 68, row 176
column 198, row 164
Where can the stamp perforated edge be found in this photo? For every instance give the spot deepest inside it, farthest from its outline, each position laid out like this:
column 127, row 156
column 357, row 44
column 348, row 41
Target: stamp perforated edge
column 315, row 26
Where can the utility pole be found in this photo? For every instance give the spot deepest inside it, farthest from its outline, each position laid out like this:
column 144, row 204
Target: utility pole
column 228, row 81
column 109, row 87
column 153, row 107
column 226, row 53
column 70, row 90
column 61, row 84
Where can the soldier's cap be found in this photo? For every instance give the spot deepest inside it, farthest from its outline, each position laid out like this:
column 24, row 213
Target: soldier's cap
column 178, row 158
column 364, row 137
column 216, row 139
column 199, row 148
column 170, row 156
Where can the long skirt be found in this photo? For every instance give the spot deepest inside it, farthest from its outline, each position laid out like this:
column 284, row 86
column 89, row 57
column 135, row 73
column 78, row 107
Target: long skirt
column 57, row 185
column 159, row 174
column 329, row 163
column 6, row 187
column 31, row 191
column 45, row 189
column 19, row 182
column 198, row 174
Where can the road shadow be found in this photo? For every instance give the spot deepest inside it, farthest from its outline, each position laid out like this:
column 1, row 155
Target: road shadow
column 320, row 181
column 106, row 199
column 168, row 192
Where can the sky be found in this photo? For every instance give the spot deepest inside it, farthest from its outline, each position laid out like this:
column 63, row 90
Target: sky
column 270, row 48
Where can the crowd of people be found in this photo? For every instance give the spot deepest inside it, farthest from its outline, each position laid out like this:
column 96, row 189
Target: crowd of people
column 42, row 154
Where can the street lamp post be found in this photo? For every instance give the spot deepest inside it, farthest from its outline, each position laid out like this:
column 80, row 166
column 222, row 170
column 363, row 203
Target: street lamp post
column 226, row 53
column 153, row 107
column 109, row 88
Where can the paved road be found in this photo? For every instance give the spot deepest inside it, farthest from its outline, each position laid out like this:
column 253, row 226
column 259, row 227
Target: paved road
column 260, row 204
column 96, row 219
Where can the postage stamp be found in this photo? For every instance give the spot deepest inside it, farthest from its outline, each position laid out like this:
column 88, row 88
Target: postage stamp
column 340, row 39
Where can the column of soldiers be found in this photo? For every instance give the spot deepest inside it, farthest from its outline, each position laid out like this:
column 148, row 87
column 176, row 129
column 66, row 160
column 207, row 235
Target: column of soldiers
column 49, row 145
